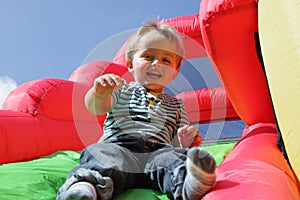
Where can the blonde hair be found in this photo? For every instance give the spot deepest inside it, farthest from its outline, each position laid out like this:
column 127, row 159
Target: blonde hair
column 168, row 31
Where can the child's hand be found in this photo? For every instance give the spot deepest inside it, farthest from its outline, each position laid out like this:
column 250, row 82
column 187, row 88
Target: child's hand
column 189, row 136
column 105, row 85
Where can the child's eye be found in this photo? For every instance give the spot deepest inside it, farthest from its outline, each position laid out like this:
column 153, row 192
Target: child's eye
column 148, row 57
column 166, row 61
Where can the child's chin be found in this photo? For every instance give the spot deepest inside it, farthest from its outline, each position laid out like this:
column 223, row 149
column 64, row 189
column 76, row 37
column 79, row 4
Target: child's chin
column 158, row 87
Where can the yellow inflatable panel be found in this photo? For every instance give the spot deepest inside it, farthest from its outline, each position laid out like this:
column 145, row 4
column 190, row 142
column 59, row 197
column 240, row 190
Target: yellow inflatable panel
column 279, row 31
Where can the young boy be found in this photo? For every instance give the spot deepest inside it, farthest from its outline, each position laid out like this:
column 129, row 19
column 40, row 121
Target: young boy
column 146, row 132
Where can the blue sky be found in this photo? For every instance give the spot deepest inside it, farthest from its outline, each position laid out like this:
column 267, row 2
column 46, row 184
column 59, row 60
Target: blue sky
column 51, row 38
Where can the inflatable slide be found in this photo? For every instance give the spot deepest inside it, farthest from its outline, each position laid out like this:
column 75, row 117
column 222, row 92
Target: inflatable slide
column 44, row 124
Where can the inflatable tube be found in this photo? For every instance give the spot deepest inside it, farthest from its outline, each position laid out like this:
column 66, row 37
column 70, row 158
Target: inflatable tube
column 280, row 44
column 189, row 27
column 38, row 121
column 212, row 102
column 255, row 169
column 228, row 29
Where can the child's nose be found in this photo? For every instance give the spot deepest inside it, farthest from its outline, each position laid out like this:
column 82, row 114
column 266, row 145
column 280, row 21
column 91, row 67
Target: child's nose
column 156, row 62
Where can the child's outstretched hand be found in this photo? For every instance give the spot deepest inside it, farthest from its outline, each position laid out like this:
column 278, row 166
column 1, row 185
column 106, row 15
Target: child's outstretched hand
column 189, row 136
column 106, row 84
column 98, row 99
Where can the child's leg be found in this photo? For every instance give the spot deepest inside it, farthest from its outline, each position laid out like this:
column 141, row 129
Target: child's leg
column 182, row 173
column 201, row 177
column 102, row 164
column 166, row 170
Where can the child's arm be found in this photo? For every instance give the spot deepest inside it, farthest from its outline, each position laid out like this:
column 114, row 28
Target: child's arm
column 189, row 136
column 98, row 99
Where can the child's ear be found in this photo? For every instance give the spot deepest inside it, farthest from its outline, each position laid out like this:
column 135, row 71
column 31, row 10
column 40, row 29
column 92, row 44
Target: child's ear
column 129, row 64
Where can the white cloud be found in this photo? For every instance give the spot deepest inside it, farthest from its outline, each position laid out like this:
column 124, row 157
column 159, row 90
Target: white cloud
column 6, row 86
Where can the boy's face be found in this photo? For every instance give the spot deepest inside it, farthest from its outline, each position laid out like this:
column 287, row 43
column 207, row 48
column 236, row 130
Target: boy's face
column 155, row 62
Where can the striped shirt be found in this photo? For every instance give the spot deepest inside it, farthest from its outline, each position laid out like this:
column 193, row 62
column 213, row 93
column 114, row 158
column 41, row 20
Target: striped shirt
column 140, row 114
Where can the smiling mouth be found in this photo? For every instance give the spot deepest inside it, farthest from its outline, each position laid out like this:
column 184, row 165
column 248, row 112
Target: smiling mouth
column 154, row 75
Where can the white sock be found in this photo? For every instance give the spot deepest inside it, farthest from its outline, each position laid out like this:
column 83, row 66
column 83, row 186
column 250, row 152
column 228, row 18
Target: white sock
column 201, row 176
column 80, row 191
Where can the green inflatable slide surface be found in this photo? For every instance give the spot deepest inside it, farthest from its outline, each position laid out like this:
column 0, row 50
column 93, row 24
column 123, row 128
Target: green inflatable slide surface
column 41, row 178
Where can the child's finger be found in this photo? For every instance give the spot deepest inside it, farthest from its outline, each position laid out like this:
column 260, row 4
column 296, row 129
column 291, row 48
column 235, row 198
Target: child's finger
column 182, row 130
column 119, row 82
column 191, row 130
column 110, row 79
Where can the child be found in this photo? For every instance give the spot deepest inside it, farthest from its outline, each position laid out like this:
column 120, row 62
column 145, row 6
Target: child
column 146, row 132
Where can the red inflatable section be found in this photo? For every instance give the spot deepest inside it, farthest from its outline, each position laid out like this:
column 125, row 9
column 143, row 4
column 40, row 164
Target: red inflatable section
column 255, row 169
column 44, row 116
column 228, row 30
column 208, row 105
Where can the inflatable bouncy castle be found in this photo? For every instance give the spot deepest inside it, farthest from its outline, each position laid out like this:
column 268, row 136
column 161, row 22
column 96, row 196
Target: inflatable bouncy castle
column 253, row 47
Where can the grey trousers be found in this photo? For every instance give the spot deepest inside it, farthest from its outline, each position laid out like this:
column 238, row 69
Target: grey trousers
column 132, row 162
